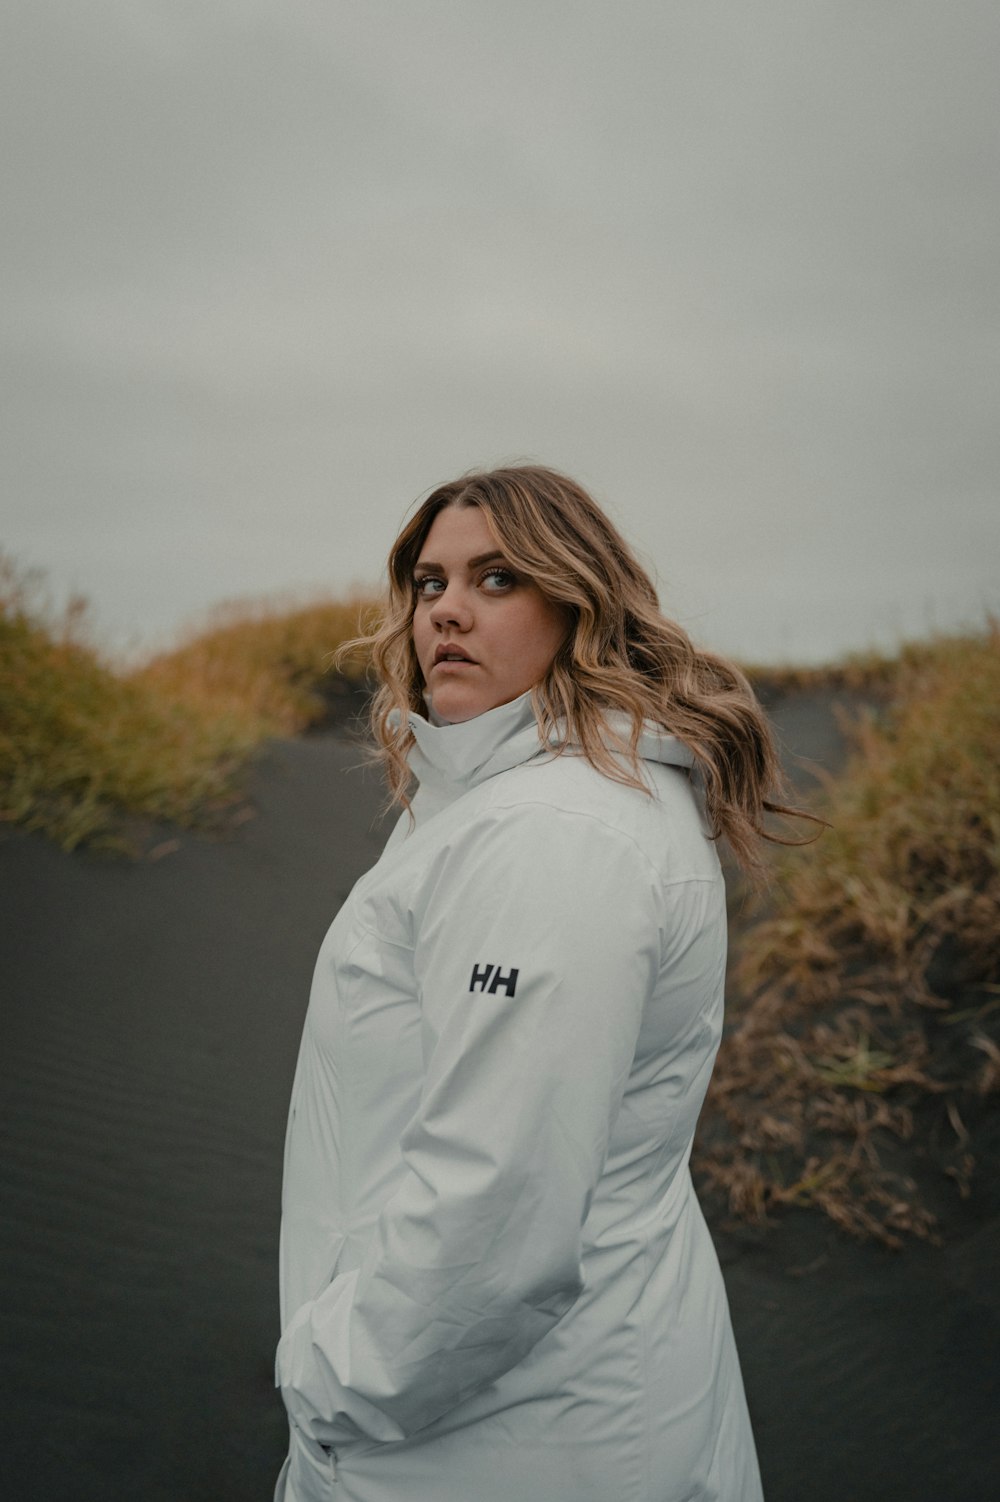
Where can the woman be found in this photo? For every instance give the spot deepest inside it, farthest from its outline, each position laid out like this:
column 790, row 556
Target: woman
column 497, row 1283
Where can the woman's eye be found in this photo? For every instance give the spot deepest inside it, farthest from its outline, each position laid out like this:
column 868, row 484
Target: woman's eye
column 427, row 586
column 497, row 579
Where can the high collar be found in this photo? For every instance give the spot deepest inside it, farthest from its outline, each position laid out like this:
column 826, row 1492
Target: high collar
column 457, row 757
column 447, row 760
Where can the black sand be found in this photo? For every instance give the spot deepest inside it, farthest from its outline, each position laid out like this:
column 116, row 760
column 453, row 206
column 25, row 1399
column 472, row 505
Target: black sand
column 151, row 1018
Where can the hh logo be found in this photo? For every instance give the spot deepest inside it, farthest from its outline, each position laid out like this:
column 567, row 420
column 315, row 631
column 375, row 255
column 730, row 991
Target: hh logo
column 492, row 979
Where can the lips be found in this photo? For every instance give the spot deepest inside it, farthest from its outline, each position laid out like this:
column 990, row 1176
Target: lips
column 449, row 652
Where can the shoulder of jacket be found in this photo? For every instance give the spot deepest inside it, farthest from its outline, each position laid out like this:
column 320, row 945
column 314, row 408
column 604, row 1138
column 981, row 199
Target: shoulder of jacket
column 663, row 826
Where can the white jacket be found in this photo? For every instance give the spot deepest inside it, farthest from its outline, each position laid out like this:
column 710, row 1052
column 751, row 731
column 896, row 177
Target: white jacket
column 496, row 1281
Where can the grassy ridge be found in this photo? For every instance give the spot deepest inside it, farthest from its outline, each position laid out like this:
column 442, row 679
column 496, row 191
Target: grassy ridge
column 81, row 744
column 265, row 671
column 874, row 976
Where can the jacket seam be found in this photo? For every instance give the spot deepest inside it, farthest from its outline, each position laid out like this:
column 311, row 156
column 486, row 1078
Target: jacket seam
column 382, row 939
column 646, row 1425
column 664, row 883
column 619, row 833
column 345, row 1102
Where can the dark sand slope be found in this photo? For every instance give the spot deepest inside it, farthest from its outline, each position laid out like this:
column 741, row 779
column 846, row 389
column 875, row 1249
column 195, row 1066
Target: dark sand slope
column 151, row 1021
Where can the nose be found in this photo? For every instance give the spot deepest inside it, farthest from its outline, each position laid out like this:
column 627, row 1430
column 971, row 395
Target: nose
column 452, row 607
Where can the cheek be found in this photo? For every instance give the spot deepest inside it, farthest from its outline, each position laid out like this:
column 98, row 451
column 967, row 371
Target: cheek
column 541, row 635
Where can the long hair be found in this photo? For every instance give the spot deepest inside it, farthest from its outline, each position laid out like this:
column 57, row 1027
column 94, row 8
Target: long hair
column 621, row 653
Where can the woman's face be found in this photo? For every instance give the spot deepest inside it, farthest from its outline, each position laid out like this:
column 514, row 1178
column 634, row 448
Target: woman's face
column 482, row 635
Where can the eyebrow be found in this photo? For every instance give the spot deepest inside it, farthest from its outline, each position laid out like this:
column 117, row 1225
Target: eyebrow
column 480, row 558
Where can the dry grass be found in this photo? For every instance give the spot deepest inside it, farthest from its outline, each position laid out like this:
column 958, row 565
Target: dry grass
column 78, row 743
column 871, row 672
column 266, row 670
column 872, row 978
column 82, row 745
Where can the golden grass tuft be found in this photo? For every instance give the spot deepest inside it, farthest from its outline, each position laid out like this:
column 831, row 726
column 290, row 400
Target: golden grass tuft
column 872, row 977
column 263, row 669
column 78, row 743
column 81, row 744
column 870, row 673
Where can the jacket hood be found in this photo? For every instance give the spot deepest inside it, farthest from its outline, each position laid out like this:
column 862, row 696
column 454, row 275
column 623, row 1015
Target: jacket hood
column 452, row 758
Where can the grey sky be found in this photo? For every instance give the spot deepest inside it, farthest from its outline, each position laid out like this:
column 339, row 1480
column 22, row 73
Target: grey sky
column 272, row 269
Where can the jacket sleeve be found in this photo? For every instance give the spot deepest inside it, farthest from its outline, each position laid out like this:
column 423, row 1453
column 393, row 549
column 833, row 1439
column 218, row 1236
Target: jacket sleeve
column 538, row 944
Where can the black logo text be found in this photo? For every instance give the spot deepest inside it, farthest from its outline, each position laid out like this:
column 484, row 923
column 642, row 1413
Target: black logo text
column 491, row 978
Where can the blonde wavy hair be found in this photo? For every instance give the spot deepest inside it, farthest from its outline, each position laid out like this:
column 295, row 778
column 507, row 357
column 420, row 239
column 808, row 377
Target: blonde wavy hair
column 620, row 653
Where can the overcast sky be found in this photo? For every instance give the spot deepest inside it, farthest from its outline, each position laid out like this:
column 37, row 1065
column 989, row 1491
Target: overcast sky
column 272, row 269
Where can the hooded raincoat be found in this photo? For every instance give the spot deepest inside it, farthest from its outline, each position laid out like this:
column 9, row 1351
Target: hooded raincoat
column 496, row 1281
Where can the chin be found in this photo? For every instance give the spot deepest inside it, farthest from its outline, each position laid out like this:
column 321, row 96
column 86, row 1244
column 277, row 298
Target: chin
column 455, row 703
column 456, row 711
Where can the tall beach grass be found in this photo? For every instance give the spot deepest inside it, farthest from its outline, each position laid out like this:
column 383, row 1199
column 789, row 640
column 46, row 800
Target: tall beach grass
column 871, row 980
